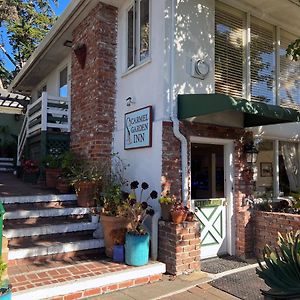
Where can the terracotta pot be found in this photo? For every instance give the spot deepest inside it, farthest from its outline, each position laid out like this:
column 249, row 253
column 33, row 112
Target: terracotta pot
column 62, row 186
column 166, row 211
column 85, row 191
column 178, row 216
column 51, row 177
column 110, row 223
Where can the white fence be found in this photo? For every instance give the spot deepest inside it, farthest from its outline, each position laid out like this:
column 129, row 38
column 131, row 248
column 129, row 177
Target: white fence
column 47, row 112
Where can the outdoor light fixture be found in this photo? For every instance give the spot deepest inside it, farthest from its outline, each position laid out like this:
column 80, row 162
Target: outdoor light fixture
column 251, row 152
column 68, row 43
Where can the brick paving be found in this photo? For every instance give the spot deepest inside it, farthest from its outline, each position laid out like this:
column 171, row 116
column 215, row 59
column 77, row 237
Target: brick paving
column 10, row 185
column 35, row 275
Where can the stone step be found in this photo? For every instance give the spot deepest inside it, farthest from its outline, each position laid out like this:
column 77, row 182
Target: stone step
column 38, row 198
column 60, row 245
column 45, row 226
column 48, row 212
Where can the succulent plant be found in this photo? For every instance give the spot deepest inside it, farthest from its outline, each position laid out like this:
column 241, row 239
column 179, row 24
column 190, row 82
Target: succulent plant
column 282, row 266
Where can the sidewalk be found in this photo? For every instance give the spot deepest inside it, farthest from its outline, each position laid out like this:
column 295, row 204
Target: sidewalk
column 187, row 287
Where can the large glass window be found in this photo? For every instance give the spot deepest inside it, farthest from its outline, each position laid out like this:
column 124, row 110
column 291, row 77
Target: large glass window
column 63, row 83
column 138, row 33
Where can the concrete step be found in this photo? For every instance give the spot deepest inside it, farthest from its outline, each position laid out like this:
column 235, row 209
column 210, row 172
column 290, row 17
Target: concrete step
column 45, row 226
column 60, row 245
column 38, row 198
column 48, row 212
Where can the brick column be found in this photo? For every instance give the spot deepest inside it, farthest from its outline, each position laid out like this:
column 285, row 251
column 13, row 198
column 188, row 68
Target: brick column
column 179, row 246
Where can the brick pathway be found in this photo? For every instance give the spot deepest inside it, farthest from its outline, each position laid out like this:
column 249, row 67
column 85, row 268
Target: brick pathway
column 35, row 275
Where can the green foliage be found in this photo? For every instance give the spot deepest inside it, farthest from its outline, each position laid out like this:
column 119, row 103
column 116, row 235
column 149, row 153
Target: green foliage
column 3, row 267
column 293, row 50
column 112, row 198
column 26, row 23
column 282, row 269
column 52, row 162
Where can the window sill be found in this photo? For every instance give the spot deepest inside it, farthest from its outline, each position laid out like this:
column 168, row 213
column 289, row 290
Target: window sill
column 136, row 68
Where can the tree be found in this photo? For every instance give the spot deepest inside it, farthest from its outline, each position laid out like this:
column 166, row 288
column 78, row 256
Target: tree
column 26, row 23
column 293, row 50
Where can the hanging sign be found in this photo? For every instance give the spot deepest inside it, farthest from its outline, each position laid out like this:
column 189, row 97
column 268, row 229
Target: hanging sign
column 138, row 128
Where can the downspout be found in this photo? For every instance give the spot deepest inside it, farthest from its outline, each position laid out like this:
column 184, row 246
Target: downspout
column 174, row 110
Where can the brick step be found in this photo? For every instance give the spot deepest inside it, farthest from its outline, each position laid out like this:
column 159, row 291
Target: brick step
column 46, row 213
column 58, row 245
column 45, row 226
column 80, row 279
column 40, row 205
column 38, row 198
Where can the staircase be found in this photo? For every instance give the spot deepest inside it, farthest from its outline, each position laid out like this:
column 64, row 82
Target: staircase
column 47, row 227
column 6, row 164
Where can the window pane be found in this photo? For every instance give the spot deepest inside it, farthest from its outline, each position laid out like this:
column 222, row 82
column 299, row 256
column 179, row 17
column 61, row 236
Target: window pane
column 262, row 56
column 130, row 38
column 144, row 29
column 289, row 91
column 229, row 51
column 63, row 83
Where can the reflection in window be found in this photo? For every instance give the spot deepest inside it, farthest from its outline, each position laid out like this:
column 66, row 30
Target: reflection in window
column 63, row 83
column 130, row 38
column 144, row 29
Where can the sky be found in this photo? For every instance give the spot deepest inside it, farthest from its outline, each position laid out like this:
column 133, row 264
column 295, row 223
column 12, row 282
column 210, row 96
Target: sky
column 62, row 4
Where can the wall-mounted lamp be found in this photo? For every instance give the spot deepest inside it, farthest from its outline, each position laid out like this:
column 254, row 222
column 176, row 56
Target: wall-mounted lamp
column 68, row 43
column 130, row 101
column 251, row 152
column 80, row 51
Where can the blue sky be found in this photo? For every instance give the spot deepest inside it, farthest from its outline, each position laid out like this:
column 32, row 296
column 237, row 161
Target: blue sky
column 58, row 10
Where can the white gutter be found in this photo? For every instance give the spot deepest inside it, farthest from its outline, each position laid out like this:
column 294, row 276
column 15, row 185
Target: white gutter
column 173, row 112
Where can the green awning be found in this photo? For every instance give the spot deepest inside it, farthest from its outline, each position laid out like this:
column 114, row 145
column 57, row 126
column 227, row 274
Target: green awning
column 254, row 113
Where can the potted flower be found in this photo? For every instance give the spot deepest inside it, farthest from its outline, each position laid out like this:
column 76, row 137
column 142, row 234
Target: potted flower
column 166, row 204
column 30, row 170
column 179, row 213
column 5, row 289
column 53, row 169
column 137, row 238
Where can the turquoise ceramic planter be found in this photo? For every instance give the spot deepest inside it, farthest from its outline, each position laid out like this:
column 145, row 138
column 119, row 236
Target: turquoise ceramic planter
column 136, row 249
column 7, row 294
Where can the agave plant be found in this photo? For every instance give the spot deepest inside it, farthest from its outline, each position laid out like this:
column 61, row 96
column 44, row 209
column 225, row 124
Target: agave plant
column 282, row 267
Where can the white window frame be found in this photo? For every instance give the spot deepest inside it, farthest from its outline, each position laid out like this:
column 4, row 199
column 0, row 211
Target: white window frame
column 136, row 35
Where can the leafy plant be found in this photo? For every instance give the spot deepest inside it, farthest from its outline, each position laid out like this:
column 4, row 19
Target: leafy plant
column 167, row 199
column 282, row 270
column 52, row 161
column 30, row 166
column 4, row 283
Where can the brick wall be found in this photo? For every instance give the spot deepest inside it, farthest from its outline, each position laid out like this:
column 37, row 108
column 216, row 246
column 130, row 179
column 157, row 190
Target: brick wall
column 93, row 88
column 179, row 246
column 171, row 172
column 268, row 224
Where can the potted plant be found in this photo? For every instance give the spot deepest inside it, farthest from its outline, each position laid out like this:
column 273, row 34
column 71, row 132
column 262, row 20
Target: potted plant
column 87, row 179
column 137, row 238
column 166, row 204
column 30, row 170
column 113, row 198
column 5, row 289
column 53, row 169
column 68, row 160
column 179, row 213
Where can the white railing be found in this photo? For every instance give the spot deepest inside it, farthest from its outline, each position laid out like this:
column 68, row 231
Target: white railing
column 47, row 112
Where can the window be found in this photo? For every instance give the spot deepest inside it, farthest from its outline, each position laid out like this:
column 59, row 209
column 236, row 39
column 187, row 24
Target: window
column 138, row 33
column 229, row 52
column 289, row 88
column 262, row 61
column 63, row 83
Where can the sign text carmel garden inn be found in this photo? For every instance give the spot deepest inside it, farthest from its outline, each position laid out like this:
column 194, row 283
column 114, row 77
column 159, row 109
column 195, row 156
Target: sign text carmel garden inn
column 138, row 128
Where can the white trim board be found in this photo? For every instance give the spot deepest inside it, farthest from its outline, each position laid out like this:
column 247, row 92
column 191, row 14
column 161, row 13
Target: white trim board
column 55, row 249
column 38, row 198
column 91, row 282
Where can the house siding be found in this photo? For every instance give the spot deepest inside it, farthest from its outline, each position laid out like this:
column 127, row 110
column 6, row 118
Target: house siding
column 94, row 87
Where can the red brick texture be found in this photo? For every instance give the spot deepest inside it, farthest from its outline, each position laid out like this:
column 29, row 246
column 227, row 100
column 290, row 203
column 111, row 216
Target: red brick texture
column 93, row 88
column 179, row 246
column 171, row 172
column 268, row 224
